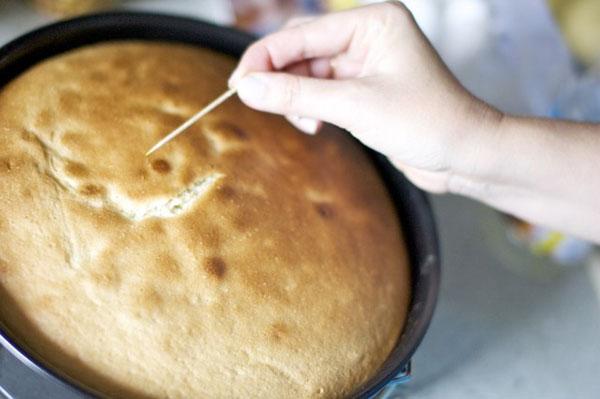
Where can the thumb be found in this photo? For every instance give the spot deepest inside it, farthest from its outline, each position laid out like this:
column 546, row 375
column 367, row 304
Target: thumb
column 287, row 94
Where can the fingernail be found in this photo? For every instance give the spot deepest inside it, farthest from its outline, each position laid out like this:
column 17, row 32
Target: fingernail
column 252, row 89
column 307, row 125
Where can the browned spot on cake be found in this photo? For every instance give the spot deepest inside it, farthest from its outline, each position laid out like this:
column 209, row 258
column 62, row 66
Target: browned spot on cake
column 98, row 76
column 278, row 331
column 148, row 298
column 166, row 343
column 107, row 275
column 161, row 166
column 167, row 268
column 26, row 193
column 45, row 119
column 28, row 136
column 72, row 139
column 45, row 303
column 188, row 177
column 170, row 88
column 113, row 219
column 262, row 283
column 191, row 330
column 325, row 210
column 76, row 169
column 157, row 227
column 227, row 193
column 120, row 62
column 69, row 101
column 6, row 164
column 212, row 237
column 92, row 190
column 230, row 130
column 168, row 120
column 142, row 173
column 243, row 222
column 215, row 267
column 199, row 144
column 4, row 268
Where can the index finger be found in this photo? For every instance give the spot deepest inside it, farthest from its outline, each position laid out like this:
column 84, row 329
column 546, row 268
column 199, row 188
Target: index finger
column 326, row 36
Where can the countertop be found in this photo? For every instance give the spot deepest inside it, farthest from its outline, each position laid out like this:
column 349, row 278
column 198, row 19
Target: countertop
column 496, row 333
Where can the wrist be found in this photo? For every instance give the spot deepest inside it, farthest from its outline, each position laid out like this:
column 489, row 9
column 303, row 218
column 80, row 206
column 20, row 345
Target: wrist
column 475, row 157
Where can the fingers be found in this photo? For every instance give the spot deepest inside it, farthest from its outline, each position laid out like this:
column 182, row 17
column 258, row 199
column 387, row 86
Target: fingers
column 317, row 68
column 286, row 94
column 326, row 36
column 307, row 125
column 340, row 67
column 298, row 21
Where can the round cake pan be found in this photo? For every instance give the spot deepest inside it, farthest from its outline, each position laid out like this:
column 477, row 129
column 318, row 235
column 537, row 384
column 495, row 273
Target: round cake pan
column 412, row 205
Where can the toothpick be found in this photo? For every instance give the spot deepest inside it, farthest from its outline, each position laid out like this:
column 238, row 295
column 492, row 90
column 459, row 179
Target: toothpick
column 218, row 101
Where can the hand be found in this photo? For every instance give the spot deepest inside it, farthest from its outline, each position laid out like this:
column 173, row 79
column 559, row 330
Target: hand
column 372, row 72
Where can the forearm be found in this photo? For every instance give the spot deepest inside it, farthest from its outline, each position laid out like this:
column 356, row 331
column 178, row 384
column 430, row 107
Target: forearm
column 544, row 171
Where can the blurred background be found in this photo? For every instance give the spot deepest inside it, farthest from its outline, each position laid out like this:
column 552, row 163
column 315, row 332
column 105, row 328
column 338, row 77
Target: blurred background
column 519, row 309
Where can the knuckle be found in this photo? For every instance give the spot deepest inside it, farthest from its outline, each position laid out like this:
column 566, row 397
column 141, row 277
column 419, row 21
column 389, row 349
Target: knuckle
column 295, row 21
column 256, row 46
column 398, row 8
column 290, row 22
column 256, row 49
column 291, row 93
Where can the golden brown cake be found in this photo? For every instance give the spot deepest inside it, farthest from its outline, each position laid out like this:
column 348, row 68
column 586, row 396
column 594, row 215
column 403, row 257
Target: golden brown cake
column 244, row 259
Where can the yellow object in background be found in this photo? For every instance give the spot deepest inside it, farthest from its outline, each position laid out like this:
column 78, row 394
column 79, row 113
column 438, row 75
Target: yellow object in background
column 579, row 21
column 336, row 5
column 546, row 243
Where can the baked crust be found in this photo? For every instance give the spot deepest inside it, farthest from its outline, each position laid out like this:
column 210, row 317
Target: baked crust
column 244, row 259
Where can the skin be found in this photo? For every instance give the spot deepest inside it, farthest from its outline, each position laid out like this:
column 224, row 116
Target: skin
column 372, row 72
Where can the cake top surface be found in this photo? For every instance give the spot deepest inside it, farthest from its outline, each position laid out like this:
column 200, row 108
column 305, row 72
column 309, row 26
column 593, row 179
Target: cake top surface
column 243, row 259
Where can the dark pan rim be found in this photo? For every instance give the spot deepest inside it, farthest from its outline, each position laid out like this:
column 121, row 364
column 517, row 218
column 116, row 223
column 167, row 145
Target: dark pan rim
column 411, row 204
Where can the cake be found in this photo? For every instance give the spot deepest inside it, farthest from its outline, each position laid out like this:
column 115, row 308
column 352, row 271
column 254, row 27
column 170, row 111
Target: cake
column 243, row 259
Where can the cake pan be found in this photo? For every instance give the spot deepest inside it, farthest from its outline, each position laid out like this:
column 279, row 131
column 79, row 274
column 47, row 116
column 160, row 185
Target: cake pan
column 412, row 205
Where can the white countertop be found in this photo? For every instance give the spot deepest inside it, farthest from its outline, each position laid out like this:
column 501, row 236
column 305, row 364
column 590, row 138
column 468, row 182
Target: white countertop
column 498, row 334
column 495, row 334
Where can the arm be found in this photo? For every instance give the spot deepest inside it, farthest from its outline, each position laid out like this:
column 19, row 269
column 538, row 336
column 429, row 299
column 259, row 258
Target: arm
column 372, row 72
column 544, row 171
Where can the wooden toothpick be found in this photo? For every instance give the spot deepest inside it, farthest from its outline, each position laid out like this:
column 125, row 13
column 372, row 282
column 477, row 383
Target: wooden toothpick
column 216, row 102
